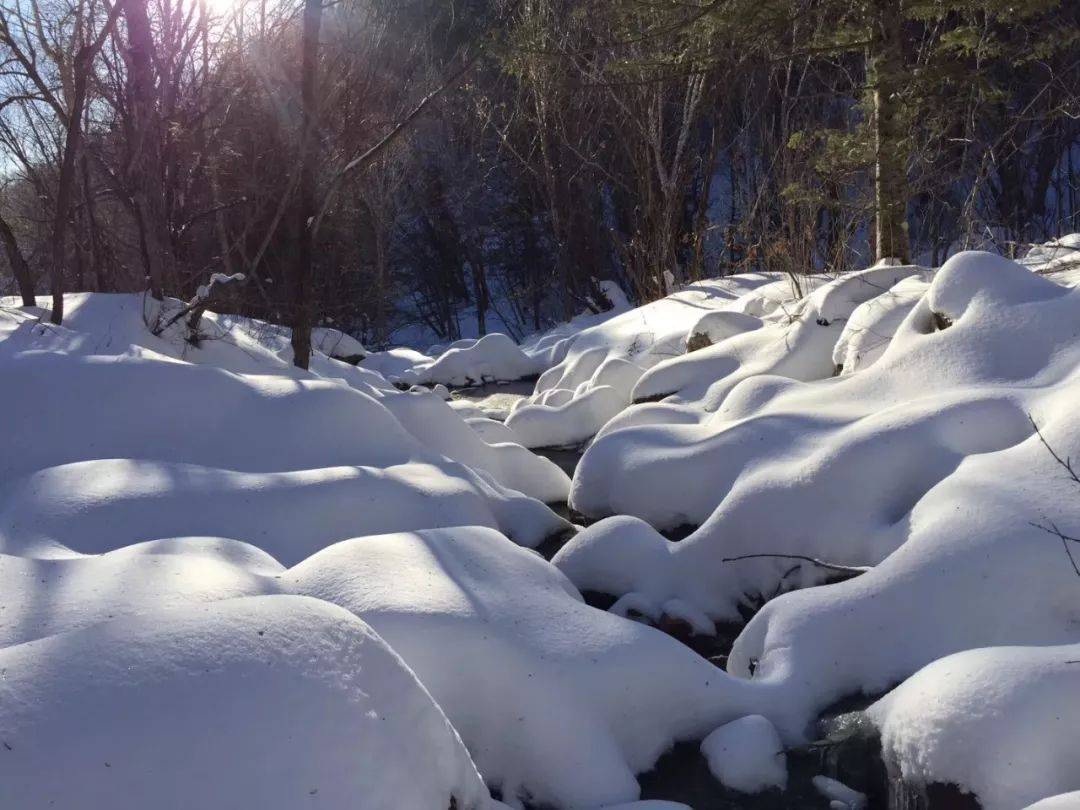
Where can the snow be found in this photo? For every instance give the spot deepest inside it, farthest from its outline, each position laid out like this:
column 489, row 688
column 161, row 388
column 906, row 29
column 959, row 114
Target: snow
column 194, row 463
column 840, row 796
column 570, row 423
column 335, row 343
column 718, row 325
column 571, row 401
column 1064, row 801
column 747, row 755
column 521, row 666
column 873, row 323
column 492, row 358
column 270, row 702
column 875, row 463
column 923, row 465
column 82, row 591
column 394, row 364
column 1001, row 723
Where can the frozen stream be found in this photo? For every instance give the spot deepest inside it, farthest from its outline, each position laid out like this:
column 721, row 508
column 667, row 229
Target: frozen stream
column 682, row 774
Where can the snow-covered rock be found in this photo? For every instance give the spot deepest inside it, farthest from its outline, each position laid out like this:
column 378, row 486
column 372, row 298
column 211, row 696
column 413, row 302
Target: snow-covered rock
column 923, row 466
column 747, row 755
column 271, row 702
column 718, row 325
column 492, row 358
column 1001, row 723
column 556, row 700
column 41, row 598
column 873, row 323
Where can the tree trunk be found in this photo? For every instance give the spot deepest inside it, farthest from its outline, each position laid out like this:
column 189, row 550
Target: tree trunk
column 885, row 70
column 65, row 186
column 146, row 166
column 305, row 208
column 19, row 268
column 480, row 283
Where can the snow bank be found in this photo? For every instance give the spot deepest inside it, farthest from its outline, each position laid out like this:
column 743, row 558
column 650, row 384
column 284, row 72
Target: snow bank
column 270, row 702
column 41, row 598
column 923, row 465
column 1002, row 723
column 557, row 702
column 199, row 450
column 873, row 323
column 570, row 423
column 492, row 358
column 1064, row 801
column 395, row 364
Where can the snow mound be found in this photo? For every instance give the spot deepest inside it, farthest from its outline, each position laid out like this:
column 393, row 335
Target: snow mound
column 41, row 598
column 923, row 467
column 873, row 323
column 1002, row 723
column 492, row 358
column 201, row 450
column 797, row 344
column 747, row 755
column 565, row 408
column 438, row 427
column 98, row 506
column 395, row 364
column 713, row 327
column 557, row 702
column 338, row 345
column 270, row 702
column 570, row 423
column 1063, row 801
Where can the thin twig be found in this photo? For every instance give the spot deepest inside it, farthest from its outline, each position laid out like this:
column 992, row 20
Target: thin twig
column 854, row 570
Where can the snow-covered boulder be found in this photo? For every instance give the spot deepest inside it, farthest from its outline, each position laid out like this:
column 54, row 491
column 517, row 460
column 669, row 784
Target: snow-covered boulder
column 718, row 325
column 271, row 702
column 492, row 358
column 40, row 598
column 570, row 423
column 556, row 701
column 1001, row 723
column 747, row 755
column 338, row 345
column 923, row 467
column 873, row 323
column 396, row 364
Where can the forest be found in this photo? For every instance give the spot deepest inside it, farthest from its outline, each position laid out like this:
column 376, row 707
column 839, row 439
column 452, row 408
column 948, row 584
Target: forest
column 395, row 168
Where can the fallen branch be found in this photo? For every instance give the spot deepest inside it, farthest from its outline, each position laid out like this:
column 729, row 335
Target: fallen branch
column 1065, row 540
column 854, row 570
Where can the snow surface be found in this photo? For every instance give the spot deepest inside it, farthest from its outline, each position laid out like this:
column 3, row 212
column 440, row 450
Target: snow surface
column 1002, row 723
column 1063, row 801
column 522, row 667
column 492, row 358
column 192, row 504
column 923, row 465
column 269, row 702
column 747, row 755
